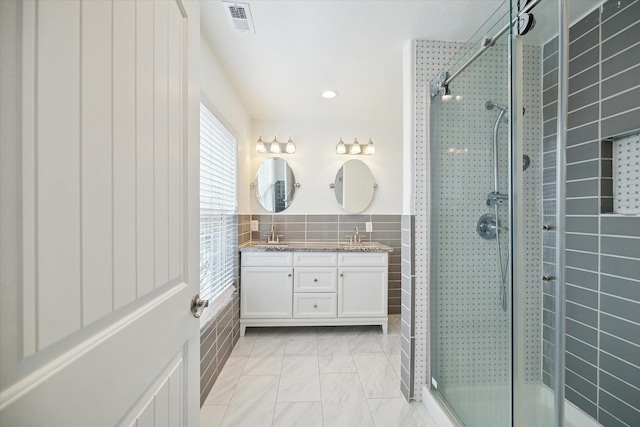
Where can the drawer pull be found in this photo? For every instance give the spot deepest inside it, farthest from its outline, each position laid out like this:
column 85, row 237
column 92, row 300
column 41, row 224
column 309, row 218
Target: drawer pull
column 315, row 305
column 315, row 280
column 289, row 274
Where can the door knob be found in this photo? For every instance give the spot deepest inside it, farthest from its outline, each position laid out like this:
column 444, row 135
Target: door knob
column 198, row 305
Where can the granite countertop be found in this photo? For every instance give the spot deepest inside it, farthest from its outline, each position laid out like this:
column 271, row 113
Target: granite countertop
column 315, row 247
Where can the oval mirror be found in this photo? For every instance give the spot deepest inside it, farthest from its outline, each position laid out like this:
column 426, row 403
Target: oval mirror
column 354, row 186
column 275, row 184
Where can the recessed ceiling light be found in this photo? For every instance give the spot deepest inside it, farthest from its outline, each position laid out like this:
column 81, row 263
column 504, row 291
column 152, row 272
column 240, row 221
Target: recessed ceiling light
column 328, row 94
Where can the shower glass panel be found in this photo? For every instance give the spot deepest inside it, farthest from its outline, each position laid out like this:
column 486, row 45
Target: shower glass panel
column 496, row 315
column 471, row 278
column 538, row 382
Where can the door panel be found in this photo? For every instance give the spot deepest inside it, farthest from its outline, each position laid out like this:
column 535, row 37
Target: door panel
column 108, row 248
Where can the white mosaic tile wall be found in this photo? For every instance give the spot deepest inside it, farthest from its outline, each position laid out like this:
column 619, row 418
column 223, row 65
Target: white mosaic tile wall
column 626, row 174
column 482, row 335
column 431, row 56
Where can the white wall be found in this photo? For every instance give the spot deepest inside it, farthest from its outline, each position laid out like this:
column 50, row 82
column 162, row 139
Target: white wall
column 316, row 163
column 225, row 104
column 408, row 127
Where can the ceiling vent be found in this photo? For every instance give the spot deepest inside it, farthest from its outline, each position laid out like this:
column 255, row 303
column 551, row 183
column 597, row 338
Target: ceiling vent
column 240, row 16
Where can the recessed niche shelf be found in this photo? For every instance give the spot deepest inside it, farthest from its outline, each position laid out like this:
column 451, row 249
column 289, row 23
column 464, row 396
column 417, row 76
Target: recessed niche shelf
column 620, row 175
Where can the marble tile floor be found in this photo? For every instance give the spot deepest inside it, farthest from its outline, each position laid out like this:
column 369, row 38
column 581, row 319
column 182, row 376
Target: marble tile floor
column 308, row 377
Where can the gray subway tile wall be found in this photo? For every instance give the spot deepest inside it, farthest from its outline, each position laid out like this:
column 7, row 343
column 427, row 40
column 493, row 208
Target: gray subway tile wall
column 603, row 251
column 407, row 311
column 217, row 338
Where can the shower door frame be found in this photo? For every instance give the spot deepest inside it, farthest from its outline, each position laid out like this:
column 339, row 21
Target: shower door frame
column 516, row 221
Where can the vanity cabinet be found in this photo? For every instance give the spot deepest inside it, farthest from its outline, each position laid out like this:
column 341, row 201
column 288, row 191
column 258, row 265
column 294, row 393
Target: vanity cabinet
column 324, row 288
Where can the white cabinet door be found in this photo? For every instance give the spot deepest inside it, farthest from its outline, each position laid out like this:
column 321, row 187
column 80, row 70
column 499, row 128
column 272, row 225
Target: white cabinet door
column 266, row 293
column 104, row 256
column 362, row 292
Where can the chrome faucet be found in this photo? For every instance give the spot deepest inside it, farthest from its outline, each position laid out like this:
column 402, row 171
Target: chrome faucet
column 273, row 238
column 356, row 237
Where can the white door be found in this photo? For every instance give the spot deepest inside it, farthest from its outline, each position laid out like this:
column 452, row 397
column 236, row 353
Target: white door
column 99, row 219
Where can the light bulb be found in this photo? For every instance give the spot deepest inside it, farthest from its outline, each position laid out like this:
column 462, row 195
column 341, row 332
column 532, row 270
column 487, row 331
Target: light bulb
column 275, row 146
column 341, row 148
column 370, row 149
column 355, row 147
column 260, row 147
column 291, row 147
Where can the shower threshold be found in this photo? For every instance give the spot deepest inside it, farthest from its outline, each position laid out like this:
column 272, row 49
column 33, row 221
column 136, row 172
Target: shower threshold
column 539, row 400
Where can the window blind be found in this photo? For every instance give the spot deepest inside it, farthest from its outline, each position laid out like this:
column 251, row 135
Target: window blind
column 218, row 207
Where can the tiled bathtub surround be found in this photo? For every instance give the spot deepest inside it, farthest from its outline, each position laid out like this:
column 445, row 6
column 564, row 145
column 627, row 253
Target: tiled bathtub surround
column 602, row 251
column 334, row 228
column 217, row 339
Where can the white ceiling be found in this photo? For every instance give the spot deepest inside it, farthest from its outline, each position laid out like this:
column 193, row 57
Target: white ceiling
column 304, row 47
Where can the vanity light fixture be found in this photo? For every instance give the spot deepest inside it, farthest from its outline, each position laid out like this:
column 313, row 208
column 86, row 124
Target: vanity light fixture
column 260, row 147
column 355, row 148
column 275, row 146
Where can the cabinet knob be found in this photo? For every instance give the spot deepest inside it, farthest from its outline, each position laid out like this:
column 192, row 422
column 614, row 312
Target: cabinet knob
column 315, row 280
column 289, row 274
column 341, row 275
column 315, row 305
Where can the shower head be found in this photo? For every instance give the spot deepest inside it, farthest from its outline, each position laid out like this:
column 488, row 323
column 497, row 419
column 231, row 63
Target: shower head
column 489, row 105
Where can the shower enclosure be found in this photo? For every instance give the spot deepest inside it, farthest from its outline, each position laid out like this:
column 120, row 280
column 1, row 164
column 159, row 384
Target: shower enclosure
column 498, row 182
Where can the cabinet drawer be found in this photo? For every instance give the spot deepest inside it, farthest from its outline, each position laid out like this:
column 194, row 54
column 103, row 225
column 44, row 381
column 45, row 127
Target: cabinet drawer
column 310, row 305
column 267, row 259
column 319, row 279
column 363, row 259
column 315, row 259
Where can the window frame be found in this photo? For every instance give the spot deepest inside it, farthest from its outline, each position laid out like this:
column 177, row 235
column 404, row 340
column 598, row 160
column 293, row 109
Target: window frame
column 228, row 238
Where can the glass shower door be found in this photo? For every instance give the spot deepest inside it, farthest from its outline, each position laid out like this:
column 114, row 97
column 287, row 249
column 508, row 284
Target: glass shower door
column 470, row 266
